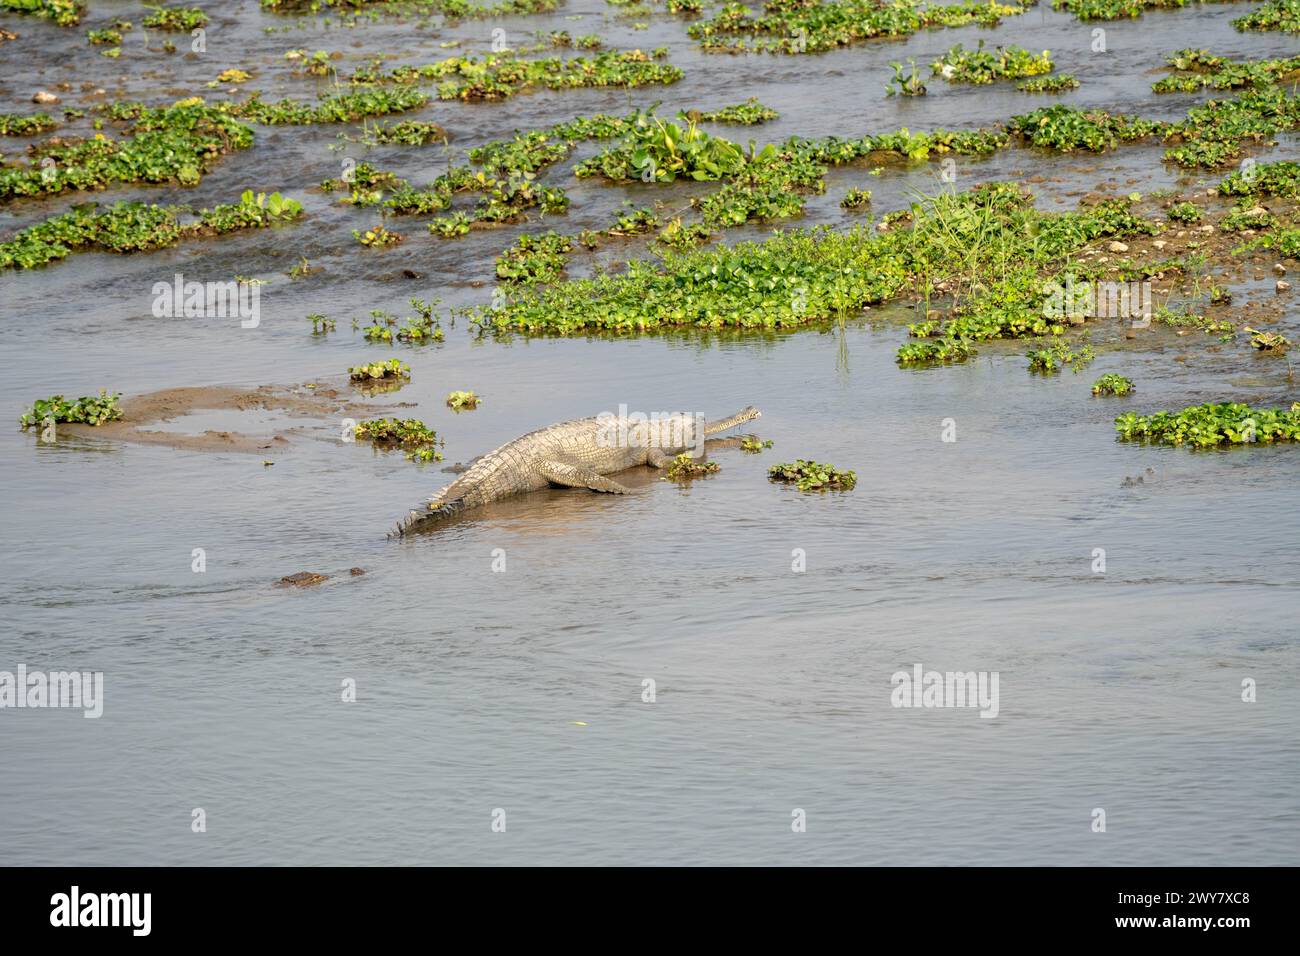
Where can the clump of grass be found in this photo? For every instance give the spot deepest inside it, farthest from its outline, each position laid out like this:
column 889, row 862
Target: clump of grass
column 809, row 475
column 385, row 370
column 1058, row 355
column 1112, row 384
column 87, row 410
column 1209, row 425
column 686, row 468
column 462, row 401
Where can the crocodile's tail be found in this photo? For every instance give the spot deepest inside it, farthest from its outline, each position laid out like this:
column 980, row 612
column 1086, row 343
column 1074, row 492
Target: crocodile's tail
column 427, row 517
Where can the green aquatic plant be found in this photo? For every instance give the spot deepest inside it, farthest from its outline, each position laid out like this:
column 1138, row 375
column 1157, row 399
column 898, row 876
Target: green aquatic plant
column 934, row 352
column 980, row 66
column 905, row 84
column 498, row 76
column 1112, row 9
column 137, row 227
column 387, row 369
column 754, row 445
column 1112, row 384
column 749, row 113
column 377, row 237
column 451, row 227
column 1198, row 70
column 535, row 258
column 319, row 63
column 1212, row 424
column 1185, row 212
column 92, row 410
column 809, row 475
column 802, row 26
column 168, row 144
column 658, row 151
column 1216, row 132
column 1283, row 241
column 1281, row 15
column 684, row 468
column 1280, row 179
column 1058, row 355
column 320, row 324
column 15, row 124
column 1274, row 342
column 175, row 19
column 462, row 401
column 419, row 440
column 1247, row 216
column 65, row 13
column 405, row 133
column 1066, row 128
column 856, row 199
column 334, row 108
column 1056, row 83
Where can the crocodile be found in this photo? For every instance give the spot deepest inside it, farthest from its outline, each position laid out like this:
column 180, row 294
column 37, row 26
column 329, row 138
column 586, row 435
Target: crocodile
column 573, row 454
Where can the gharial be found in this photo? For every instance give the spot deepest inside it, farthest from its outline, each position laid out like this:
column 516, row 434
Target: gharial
column 573, row 454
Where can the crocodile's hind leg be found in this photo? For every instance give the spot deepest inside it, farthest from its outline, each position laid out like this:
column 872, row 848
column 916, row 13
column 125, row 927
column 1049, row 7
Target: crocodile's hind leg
column 658, row 458
column 573, row 477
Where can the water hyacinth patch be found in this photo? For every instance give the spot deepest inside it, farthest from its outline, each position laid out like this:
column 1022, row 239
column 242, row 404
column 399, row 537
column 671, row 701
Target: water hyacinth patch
column 794, row 27
column 980, row 66
column 175, row 19
column 498, row 76
column 137, row 227
column 685, row 468
column 531, row 259
column 1057, row 356
column 92, row 410
column 462, row 401
column 1198, row 69
column 809, row 475
column 1273, row 342
column 856, row 199
column 387, row 369
column 1112, row 384
column 1275, row 179
column 1185, row 212
column 1209, row 425
column 65, row 13
column 170, row 144
column 1280, row 15
column 749, row 113
column 1066, row 128
column 14, row 124
column 334, row 108
column 754, row 445
column 1056, row 83
column 420, row 442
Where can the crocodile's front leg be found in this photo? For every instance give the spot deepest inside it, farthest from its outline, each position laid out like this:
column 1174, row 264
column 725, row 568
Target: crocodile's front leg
column 573, row 477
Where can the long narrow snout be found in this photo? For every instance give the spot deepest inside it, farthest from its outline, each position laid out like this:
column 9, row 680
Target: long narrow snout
column 746, row 414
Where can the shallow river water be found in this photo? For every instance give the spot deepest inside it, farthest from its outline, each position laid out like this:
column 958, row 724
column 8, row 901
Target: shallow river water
column 522, row 689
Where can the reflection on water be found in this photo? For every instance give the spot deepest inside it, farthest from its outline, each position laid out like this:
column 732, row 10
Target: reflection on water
column 521, row 688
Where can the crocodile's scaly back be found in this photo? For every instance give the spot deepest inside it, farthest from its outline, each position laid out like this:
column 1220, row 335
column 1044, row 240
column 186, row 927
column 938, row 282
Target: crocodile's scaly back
column 577, row 453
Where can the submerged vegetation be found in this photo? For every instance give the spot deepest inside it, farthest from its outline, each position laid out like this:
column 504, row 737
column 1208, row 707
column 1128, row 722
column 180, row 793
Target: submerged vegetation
column 1209, row 425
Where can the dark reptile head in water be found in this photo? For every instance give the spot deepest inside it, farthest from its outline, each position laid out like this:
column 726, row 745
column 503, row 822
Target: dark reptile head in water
column 574, row 454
